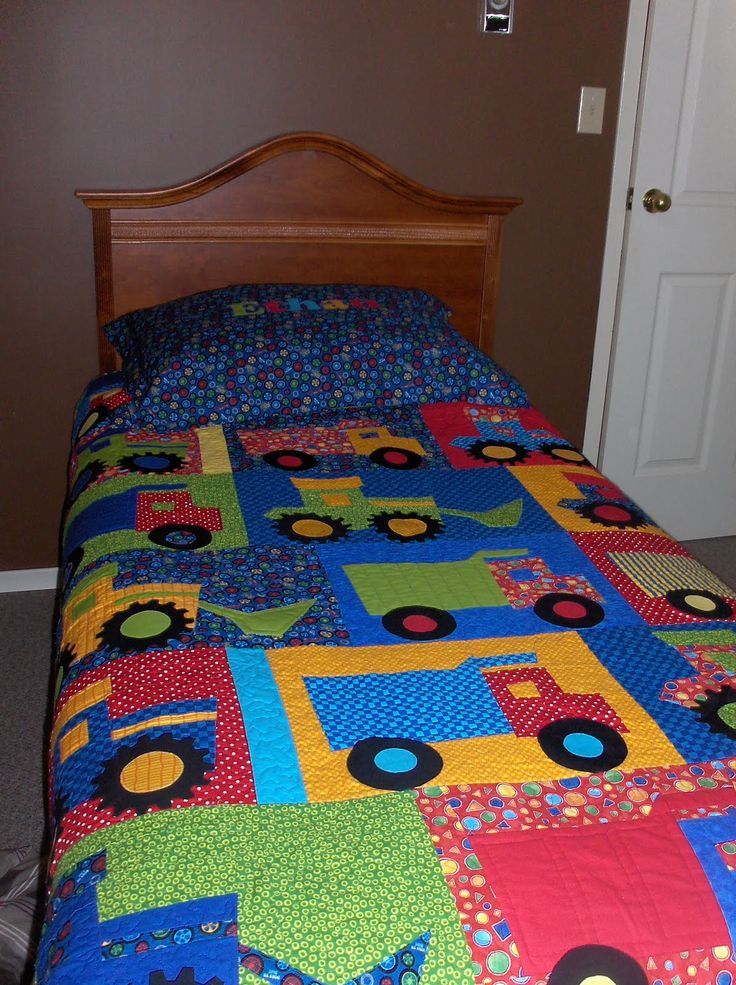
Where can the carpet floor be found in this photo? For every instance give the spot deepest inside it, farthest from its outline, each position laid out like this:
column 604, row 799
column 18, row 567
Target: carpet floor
column 26, row 627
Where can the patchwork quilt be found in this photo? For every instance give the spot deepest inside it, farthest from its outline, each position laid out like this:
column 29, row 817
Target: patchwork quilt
column 412, row 695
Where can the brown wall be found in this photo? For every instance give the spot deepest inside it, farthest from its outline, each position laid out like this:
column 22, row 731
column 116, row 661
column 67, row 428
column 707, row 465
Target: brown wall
column 129, row 93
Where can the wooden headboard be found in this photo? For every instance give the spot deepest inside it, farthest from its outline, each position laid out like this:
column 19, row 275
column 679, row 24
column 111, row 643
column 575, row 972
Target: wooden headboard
column 303, row 208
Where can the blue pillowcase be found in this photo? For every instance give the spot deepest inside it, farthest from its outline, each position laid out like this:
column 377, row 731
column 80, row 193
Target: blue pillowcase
column 246, row 353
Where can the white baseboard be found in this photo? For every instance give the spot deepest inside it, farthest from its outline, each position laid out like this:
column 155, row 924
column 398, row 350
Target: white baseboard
column 28, row 580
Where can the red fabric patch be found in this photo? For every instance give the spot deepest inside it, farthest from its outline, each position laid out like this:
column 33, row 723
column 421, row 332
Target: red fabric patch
column 145, row 680
column 451, row 421
column 637, row 887
column 655, row 609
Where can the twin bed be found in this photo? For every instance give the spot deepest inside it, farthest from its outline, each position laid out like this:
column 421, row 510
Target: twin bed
column 365, row 674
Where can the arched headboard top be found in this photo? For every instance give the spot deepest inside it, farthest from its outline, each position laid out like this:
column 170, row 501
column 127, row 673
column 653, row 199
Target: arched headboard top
column 301, row 208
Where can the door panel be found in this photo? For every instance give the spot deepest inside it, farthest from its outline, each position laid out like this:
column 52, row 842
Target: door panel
column 678, row 387
column 670, row 429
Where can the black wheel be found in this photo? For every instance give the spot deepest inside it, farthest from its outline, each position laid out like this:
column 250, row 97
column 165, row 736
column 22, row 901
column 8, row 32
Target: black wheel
column 568, row 609
column 564, row 453
column 311, row 528
column 151, row 462
column 396, row 458
column 71, row 565
column 419, row 622
column 59, row 809
column 180, row 536
column 92, row 419
column 407, row 527
column 718, row 710
column 290, row 460
column 151, row 773
column 185, row 977
column 65, row 658
column 84, row 479
column 609, row 513
column 581, row 744
column 393, row 764
column 144, row 624
column 697, row 602
column 502, row 452
column 597, row 963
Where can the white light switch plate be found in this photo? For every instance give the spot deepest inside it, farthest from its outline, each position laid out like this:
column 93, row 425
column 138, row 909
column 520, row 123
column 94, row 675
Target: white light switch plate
column 590, row 112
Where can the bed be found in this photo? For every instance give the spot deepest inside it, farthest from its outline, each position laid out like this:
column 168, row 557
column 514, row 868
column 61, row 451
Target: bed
column 365, row 675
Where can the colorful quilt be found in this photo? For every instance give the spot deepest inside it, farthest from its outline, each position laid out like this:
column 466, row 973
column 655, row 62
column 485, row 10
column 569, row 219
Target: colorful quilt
column 409, row 696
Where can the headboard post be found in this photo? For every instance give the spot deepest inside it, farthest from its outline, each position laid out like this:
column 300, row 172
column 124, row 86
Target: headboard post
column 103, row 286
column 491, row 268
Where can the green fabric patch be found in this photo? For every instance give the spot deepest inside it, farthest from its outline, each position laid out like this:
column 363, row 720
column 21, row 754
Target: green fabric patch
column 330, row 888
column 145, row 625
column 704, row 637
column 507, row 515
column 264, row 622
column 727, row 714
column 207, row 491
column 448, row 584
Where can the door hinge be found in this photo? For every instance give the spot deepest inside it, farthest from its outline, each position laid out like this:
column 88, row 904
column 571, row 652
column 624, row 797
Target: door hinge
column 629, row 198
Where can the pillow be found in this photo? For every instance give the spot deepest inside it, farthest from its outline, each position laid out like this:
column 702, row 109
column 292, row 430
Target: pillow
column 245, row 353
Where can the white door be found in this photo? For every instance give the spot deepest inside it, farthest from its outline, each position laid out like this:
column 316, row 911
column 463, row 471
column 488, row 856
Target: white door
column 669, row 435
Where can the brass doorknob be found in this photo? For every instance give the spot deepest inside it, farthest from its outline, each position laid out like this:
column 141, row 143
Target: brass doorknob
column 656, row 200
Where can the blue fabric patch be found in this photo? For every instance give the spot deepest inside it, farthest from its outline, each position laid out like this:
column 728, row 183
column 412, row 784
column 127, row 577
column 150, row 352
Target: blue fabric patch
column 70, row 924
column 276, row 773
column 406, row 965
column 704, row 833
column 226, row 584
column 206, row 919
column 459, row 502
column 642, row 663
column 427, row 705
column 147, row 946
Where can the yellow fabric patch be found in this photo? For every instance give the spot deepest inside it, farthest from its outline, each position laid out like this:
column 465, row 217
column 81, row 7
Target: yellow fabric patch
column 76, row 738
column 548, row 485
column 213, row 450
column 407, row 527
column 525, row 689
column 336, row 499
column 488, row 759
column 570, row 454
column 352, row 482
column 83, row 618
column 151, row 771
column 88, row 698
column 163, row 721
column 496, row 452
column 311, row 528
column 656, row 574
column 367, row 440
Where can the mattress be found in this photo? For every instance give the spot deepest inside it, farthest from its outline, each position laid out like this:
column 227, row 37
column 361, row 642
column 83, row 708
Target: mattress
column 395, row 691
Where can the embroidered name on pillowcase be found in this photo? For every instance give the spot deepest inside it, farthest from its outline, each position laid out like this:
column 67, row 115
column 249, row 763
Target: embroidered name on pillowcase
column 242, row 309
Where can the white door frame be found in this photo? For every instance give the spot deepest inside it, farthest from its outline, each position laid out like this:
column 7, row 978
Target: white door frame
column 626, row 130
